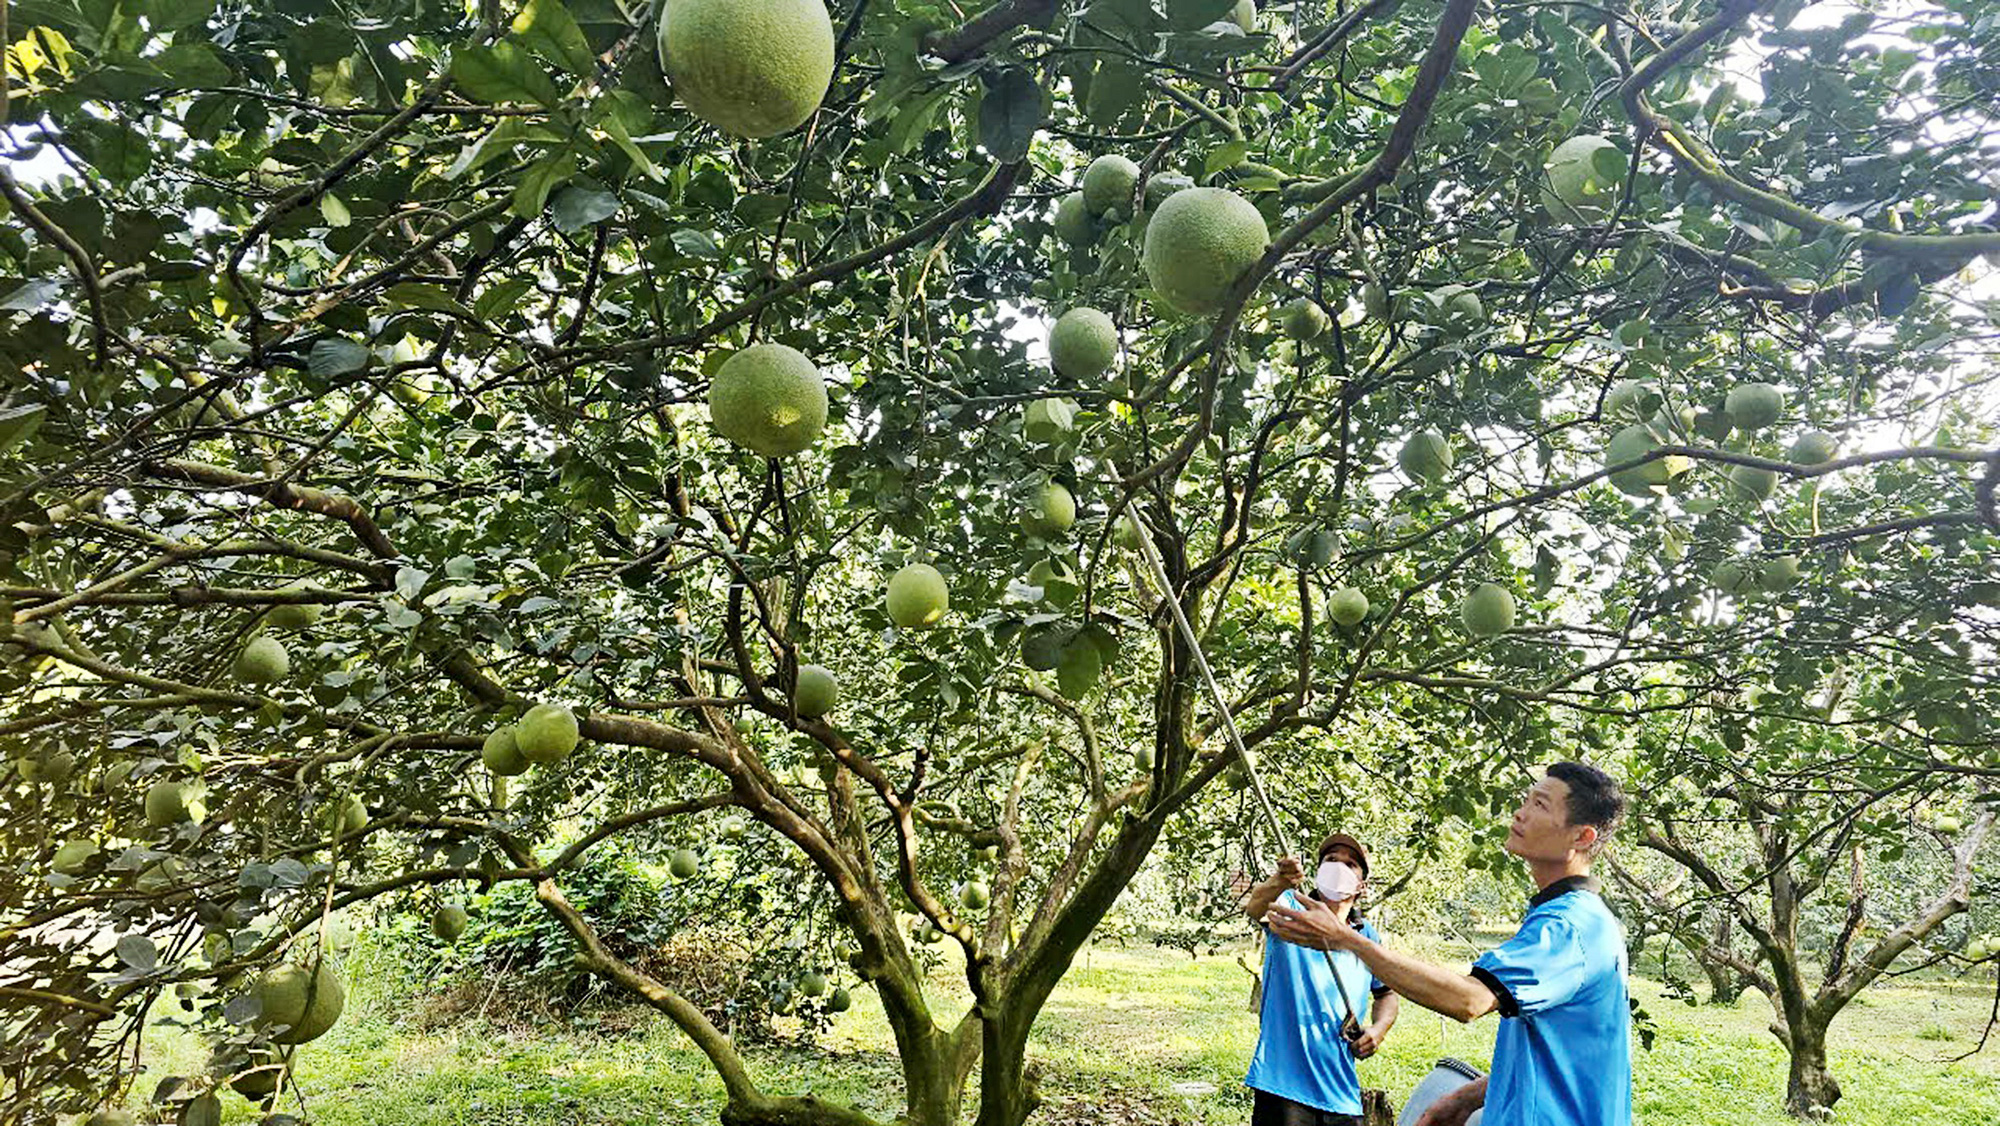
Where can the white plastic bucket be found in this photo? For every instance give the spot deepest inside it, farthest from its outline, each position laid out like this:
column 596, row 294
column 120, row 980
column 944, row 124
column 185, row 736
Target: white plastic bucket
column 1448, row 1076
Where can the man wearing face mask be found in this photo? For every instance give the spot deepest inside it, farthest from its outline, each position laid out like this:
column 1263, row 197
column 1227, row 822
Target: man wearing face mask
column 1318, row 1017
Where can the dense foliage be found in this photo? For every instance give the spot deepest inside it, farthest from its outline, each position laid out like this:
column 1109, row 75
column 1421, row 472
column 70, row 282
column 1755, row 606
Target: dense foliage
column 357, row 361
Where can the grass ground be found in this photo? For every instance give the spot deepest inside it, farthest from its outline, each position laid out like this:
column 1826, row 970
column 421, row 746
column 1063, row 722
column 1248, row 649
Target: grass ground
column 1127, row 1027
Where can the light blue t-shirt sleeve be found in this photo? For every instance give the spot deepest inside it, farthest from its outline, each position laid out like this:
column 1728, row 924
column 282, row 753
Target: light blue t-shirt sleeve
column 1542, row 966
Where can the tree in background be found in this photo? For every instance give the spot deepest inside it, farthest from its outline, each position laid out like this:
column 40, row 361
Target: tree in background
column 438, row 442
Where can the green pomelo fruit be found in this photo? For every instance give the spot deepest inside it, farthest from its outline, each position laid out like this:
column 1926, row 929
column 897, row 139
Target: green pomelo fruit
column 1713, row 425
column 1159, row 187
column 1142, row 758
column 1375, row 300
column 1198, row 244
column 1778, row 573
column 449, row 921
column 1073, row 221
column 53, row 768
column 294, row 615
column 346, row 816
column 1304, row 320
column 1455, row 308
column 840, row 1002
column 1083, row 344
column 1125, row 533
column 1635, row 442
column 1048, row 420
column 1078, row 669
column 1488, row 610
column 1051, row 511
column 733, row 828
column 161, row 877
column 683, row 864
column 307, row 1001
column 768, row 398
column 816, row 691
column 261, row 1076
column 166, row 804
column 1347, row 606
column 749, row 69
column 502, row 754
column 73, row 856
column 974, row 894
column 1752, row 483
column 1753, row 406
column 1946, row 823
column 1631, row 398
column 1245, row 15
column 1426, row 456
column 1578, row 191
column 1814, row 447
column 1058, row 581
column 918, row 597
column 812, row 983
column 263, row 661
column 547, row 734
column 1108, row 185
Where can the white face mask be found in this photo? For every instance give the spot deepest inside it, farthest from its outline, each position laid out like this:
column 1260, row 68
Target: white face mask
column 1337, row 880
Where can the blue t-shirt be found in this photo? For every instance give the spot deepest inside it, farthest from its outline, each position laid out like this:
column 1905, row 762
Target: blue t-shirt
column 1300, row 1054
column 1564, row 1053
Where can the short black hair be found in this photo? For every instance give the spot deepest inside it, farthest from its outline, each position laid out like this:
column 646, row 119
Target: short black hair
column 1595, row 798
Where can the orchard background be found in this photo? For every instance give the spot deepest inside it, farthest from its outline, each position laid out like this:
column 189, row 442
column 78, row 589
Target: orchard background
column 445, row 446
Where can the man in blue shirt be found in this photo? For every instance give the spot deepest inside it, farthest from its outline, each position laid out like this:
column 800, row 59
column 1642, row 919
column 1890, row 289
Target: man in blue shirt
column 1316, row 1017
column 1563, row 1056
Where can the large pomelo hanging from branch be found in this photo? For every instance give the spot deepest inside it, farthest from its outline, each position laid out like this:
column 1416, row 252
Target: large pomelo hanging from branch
column 768, row 398
column 918, row 597
column 753, row 69
column 1198, row 244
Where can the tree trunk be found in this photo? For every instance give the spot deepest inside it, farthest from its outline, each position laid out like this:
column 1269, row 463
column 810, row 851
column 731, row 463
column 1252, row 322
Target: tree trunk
column 1811, row 1090
column 1007, row 1090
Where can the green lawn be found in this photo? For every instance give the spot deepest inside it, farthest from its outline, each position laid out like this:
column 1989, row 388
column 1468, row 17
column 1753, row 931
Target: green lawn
column 1125, row 1028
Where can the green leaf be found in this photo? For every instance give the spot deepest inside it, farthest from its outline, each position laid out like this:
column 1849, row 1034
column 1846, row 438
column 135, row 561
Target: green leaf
column 172, row 15
column 913, row 118
column 193, row 64
column 546, row 28
column 117, row 150
column 498, row 300
column 1042, row 647
column 615, row 129
column 497, row 141
column 18, row 424
column 1224, row 157
column 1189, row 15
column 31, row 294
column 696, row 243
column 541, row 178
column 1010, row 113
column 1117, row 88
column 336, row 355
column 138, row 952
column 1899, row 293
column 423, row 295
column 1608, row 166
column 333, row 211
column 502, row 73
column 576, row 208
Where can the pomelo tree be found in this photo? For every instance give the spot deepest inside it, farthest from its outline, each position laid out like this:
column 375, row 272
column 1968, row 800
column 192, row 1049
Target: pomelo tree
column 440, row 440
